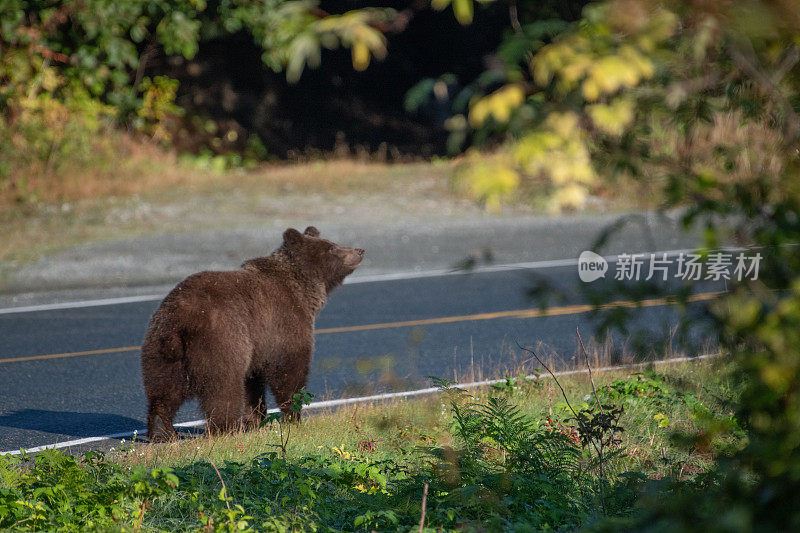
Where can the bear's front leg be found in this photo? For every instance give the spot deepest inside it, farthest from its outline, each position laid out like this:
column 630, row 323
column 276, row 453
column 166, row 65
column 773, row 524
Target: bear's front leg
column 288, row 380
column 255, row 386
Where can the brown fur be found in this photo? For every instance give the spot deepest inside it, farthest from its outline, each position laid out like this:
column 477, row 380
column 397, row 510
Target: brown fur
column 223, row 337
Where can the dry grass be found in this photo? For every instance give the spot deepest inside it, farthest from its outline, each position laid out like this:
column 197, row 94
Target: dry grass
column 125, row 166
column 120, row 166
column 141, row 189
column 143, row 169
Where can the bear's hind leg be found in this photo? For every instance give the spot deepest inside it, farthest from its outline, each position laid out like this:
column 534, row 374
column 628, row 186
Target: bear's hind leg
column 164, row 385
column 160, row 413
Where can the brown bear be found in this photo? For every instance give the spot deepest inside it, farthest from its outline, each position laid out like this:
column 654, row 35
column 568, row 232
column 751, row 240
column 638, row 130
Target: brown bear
column 222, row 337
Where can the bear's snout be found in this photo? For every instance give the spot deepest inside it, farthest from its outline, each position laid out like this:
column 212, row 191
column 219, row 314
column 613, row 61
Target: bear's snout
column 353, row 257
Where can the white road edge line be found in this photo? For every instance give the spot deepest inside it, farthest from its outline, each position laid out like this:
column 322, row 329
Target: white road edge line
column 374, row 278
column 346, row 401
column 84, row 303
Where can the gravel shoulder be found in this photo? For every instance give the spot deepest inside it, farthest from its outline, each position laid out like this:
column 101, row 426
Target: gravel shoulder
column 149, row 265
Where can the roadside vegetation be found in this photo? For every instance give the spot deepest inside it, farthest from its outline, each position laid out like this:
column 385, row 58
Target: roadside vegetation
column 512, row 456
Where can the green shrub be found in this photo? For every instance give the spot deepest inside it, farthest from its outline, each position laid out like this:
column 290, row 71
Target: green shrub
column 69, row 68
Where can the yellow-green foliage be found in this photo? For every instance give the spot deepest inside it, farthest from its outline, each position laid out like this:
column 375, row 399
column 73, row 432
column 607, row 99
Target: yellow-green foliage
column 605, row 55
column 499, row 105
column 462, row 9
column 613, row 50
column 51, row 118
column 158, row 104
column 353, row 29
column 558, row 150
column 612, row 118
column 489, row 181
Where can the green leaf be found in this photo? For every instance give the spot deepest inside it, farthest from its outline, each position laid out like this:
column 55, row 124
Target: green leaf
column 463, row 10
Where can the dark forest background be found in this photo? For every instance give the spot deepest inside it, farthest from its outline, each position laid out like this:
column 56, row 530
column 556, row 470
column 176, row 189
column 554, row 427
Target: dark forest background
column 334, row 106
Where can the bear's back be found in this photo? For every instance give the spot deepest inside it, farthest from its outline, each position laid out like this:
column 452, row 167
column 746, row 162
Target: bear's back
column 263, row 310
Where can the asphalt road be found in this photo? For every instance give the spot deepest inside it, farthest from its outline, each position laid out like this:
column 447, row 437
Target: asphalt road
column 371, row 337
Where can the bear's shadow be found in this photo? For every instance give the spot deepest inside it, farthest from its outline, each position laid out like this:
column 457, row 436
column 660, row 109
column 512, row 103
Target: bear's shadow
column 69, row 422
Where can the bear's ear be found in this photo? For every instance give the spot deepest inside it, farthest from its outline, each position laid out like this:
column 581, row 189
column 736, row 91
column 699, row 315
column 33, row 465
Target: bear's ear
column 311, row 231
column 292, row 236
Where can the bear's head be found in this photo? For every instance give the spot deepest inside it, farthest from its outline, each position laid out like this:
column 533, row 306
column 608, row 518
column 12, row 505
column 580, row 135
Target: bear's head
column 320, row 258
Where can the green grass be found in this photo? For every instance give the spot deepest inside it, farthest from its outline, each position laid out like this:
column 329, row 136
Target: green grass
column 398, row 425
column 503, row 457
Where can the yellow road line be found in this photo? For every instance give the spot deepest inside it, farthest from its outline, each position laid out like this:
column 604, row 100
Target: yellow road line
column 69, row 354
column 519, row 313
